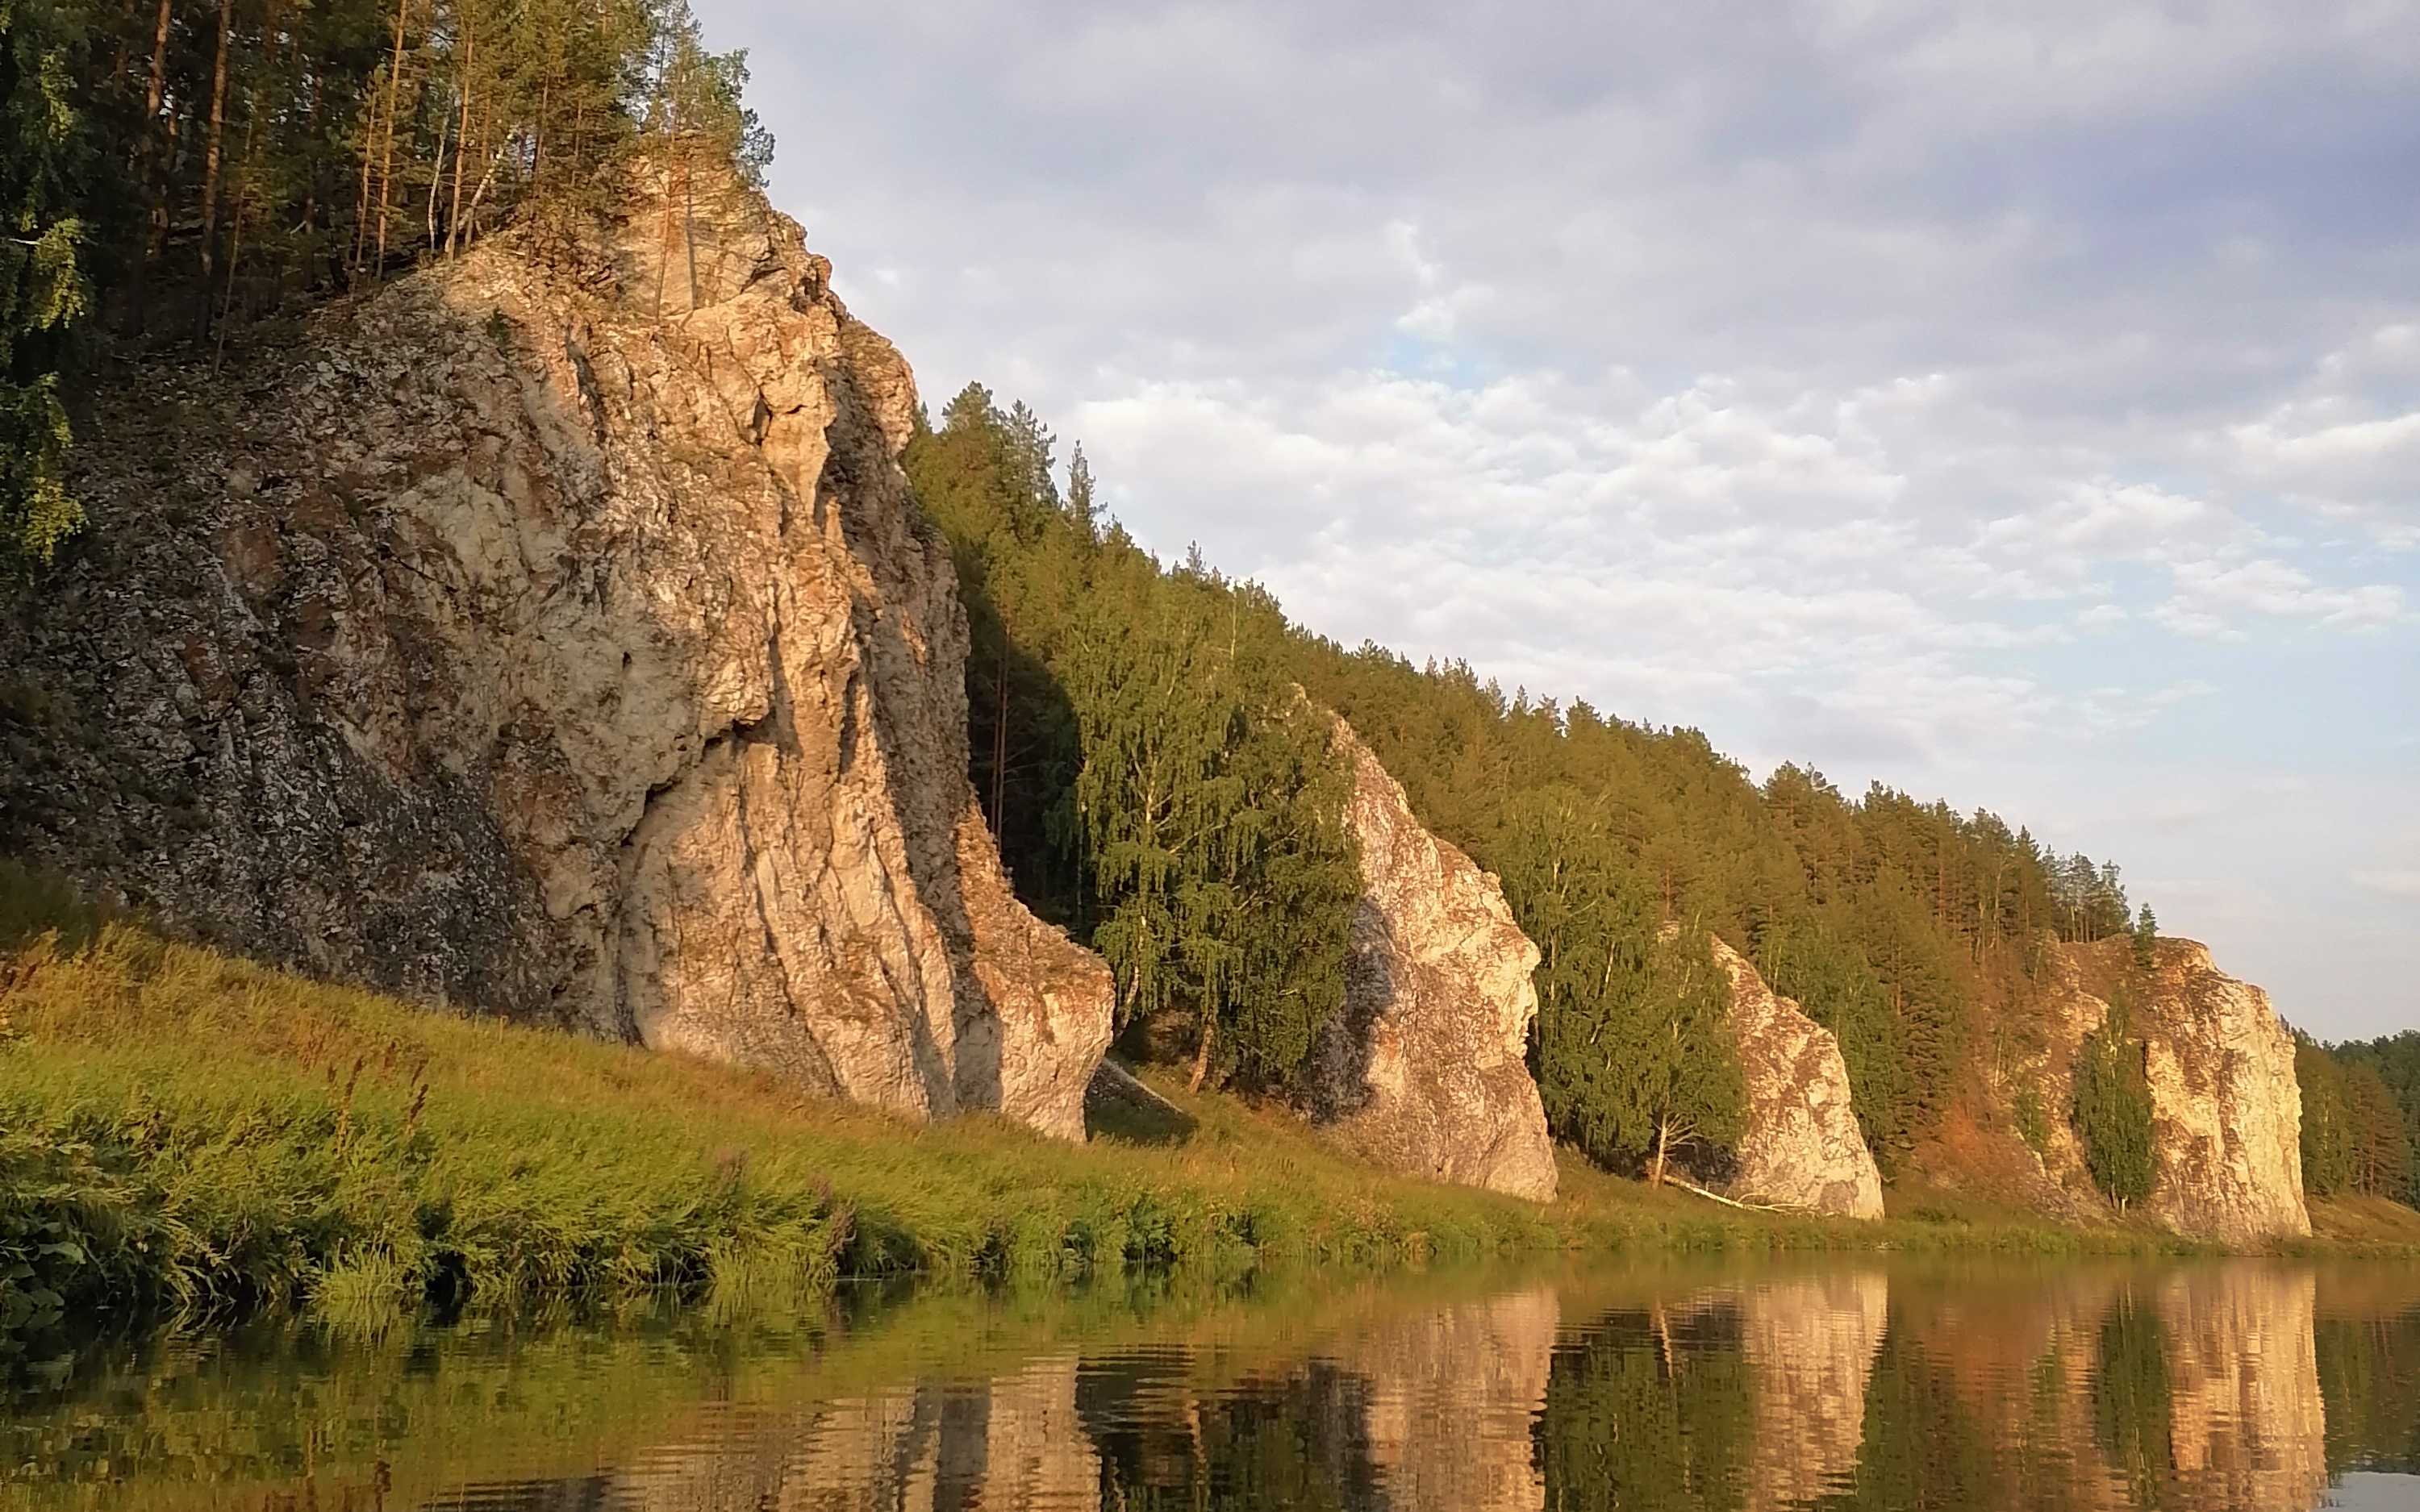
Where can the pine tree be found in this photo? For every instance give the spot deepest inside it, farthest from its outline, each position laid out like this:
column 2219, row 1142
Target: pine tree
column 43, row 293
column 2327, row 1121
column 2380, row 1150
column 1080, row 507
column 2146, row 939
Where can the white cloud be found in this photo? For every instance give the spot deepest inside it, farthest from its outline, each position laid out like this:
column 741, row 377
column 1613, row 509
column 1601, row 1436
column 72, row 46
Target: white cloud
column 1975, row 395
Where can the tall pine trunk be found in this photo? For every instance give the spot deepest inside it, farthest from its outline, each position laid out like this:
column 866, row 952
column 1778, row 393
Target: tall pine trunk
column 461, row 136
column 149, row 169
column 386, row 151
column 211, row 168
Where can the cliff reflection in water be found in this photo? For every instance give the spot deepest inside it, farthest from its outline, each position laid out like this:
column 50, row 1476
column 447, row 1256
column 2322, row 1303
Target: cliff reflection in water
column 2197, row 1389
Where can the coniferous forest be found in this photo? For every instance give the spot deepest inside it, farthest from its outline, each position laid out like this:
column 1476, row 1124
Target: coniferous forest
column 1157, row 783
column 184, row 170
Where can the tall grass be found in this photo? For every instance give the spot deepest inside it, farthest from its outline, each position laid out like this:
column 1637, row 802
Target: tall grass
column 184, row 1132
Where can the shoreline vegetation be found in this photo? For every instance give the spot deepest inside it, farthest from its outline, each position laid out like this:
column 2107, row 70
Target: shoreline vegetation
column 188, row 1136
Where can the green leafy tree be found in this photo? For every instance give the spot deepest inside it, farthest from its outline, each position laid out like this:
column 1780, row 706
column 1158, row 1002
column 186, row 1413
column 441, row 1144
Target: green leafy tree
column 1211, row 821
column 2146, row 939
column 1634, row 1061
column 2397, row 1061
column 2113, row 1110
column 1820, row 964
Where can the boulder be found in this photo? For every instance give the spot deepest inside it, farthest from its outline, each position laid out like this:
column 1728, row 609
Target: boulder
column 1802, row 1148
column 1426, row 1069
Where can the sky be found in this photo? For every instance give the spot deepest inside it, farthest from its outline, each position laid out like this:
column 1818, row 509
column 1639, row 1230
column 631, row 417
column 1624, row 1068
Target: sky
column 2018, row 404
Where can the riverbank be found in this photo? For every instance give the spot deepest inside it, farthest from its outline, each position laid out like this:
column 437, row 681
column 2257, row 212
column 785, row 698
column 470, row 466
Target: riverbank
column 186, row 1132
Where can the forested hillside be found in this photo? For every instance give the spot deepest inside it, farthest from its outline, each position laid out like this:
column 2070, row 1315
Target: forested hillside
column 181, row 168
column 1143, row 754
column 2361, row 1116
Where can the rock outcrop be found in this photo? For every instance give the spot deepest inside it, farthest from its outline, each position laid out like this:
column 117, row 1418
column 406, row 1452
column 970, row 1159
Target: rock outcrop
column 1424, row 1068
column 553, row 632
column 2227, row 1110
column 1802, row 1148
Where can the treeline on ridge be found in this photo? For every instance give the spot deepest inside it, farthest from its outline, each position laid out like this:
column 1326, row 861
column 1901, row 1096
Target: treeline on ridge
column 1158, row 786
column 174, row 168
column 2361, row 1116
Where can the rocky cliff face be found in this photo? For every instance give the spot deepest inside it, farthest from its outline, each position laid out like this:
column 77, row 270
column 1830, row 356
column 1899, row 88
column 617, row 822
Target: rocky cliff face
column 1424, row 1068
column 552, row 633
column 1803, row 1148
column 2226, row 1111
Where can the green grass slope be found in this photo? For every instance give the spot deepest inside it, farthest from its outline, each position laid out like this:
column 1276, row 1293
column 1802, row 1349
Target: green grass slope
column 186, row 1132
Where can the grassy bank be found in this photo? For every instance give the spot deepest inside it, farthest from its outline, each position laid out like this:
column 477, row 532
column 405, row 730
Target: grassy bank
column 183, row 1132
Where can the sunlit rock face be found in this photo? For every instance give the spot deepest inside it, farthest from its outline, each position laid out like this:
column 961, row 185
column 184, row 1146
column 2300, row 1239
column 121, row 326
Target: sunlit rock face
column 1424, row 1068
column 553, row 633
column 2249, row 1429
column 1802, row 1148
column 1811, row 1343
column 2226, row 1111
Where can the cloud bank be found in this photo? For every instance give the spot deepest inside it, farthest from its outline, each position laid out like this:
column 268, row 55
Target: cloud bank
column 2015, row 403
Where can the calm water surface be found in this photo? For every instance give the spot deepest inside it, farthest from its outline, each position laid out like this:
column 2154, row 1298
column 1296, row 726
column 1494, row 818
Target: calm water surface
column 2265, row 1386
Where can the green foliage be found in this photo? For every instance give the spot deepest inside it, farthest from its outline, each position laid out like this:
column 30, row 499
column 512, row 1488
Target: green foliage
column 1153, row 777
column 696, row 96
column 2112, row 1111
column 45, row 169
column 2397, row 1061
column 1819, row 962
column 1632, row 1056
column 2032, row 1118
column 2381, row 1149
column 2355, row 1136
column 2146, row 939
column 2327, row 1125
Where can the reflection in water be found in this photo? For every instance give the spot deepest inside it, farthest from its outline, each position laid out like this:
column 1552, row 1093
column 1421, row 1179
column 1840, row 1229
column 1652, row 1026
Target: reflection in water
column 2247, row 1426
column 1810, row 1345
column 2200, row 1389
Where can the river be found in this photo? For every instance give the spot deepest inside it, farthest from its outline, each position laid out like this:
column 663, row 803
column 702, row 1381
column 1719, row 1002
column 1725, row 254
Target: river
column 1845, row 1383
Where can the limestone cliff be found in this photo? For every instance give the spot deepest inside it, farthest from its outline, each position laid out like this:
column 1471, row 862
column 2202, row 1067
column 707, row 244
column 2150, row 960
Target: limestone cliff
column 1802, row 1148
column 2226, row 1111
column 553, row 632
column 1424, row 1068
